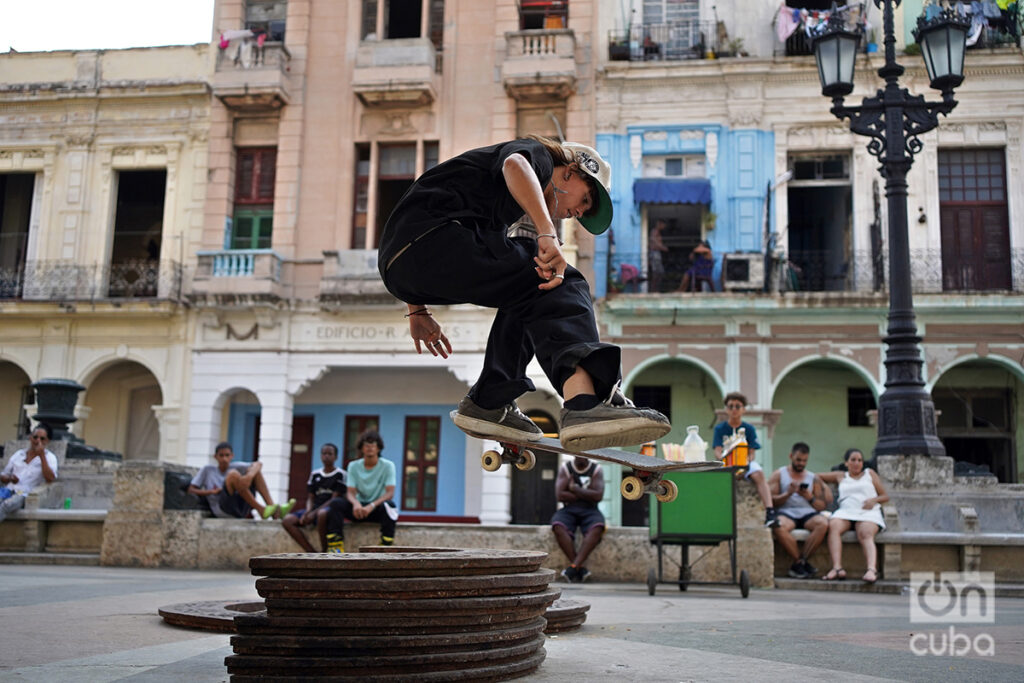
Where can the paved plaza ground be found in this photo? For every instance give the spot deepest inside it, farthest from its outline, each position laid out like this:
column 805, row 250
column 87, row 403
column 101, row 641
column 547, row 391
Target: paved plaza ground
column 67, row 623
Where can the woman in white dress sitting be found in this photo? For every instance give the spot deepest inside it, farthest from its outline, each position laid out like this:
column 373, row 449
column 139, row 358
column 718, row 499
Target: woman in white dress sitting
column 861, row 495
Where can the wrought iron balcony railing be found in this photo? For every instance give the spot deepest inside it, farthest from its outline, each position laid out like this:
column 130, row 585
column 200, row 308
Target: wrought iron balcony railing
column 66, row 281
column 672, row 41
column 833, row 271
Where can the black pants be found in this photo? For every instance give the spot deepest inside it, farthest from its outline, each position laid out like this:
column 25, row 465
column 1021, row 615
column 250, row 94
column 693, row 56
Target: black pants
column 339, row 508
column 459, row 264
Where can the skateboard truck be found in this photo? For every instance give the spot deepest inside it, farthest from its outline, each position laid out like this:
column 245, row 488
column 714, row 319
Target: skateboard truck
column 520, row 456
column 640, row 482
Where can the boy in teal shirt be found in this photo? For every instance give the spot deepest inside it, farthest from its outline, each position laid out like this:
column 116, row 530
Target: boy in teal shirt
column 371, row 488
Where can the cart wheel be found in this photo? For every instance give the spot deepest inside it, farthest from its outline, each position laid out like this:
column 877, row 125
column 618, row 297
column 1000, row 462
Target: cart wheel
column 632, row 488
column 744, row 583
column 669, row 491
column 491, row 461
column 526, row 461
column 652, row 581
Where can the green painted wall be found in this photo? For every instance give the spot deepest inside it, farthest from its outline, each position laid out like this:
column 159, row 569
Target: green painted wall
column 812, row 399
column 695, row 397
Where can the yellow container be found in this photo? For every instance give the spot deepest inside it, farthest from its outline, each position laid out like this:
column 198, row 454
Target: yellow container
column 738, row 456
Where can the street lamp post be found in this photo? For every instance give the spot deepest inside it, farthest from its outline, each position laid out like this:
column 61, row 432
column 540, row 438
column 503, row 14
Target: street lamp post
column 894, row 119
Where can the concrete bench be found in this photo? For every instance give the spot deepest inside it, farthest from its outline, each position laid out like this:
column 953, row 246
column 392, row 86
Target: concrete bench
column 902, row 551
column 53, row 530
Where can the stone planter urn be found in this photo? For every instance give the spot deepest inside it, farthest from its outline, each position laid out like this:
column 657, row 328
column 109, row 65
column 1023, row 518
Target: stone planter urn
column 55, row 401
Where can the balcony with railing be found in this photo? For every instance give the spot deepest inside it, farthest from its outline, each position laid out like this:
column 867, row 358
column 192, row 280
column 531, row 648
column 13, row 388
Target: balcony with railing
column 675, row 41
column 539, row 64
column 64, row 281
column 257, row 79
column 239, row 274
column 399, row 72
column 860, row 273
column 351, row 277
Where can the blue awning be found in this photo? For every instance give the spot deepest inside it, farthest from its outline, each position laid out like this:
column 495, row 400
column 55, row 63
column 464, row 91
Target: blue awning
column 672, row 191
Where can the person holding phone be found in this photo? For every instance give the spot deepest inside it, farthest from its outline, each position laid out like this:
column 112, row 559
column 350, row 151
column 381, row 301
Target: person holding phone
column 799, row 496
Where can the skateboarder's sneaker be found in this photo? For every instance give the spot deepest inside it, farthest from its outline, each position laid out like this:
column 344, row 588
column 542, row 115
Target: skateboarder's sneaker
column 613, row 423
column 507, row 423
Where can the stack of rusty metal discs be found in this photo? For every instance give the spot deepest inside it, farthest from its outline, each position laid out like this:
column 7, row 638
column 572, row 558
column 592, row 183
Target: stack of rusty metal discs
column 424, row 614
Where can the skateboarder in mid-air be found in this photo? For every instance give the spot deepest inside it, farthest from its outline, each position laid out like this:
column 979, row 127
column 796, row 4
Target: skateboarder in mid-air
column 446, row 243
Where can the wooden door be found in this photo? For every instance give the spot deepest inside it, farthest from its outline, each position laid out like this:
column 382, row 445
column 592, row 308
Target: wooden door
column 301, row 461
column 974, row 221
column 533, row 491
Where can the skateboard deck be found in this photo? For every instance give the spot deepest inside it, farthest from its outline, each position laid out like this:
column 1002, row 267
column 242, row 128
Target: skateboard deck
column 647, row 470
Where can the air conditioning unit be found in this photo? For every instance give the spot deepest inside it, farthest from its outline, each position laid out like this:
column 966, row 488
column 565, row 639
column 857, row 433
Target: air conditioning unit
column 743, row 271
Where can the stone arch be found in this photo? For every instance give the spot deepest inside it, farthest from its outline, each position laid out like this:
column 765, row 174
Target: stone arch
column 696, row 391
column 876, row 386
column 15, row 393
column 1010, row 364
column 980, row 418
column 627, row 381
column 819, row 409
column 99, row 365
column 236, row 418
column 116, row 409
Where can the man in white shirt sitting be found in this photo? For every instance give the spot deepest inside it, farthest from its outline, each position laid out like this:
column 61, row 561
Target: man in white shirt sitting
column 25, row 470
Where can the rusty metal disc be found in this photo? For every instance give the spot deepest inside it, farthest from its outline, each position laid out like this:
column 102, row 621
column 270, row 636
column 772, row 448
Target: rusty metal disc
column 306, row 645
column 271, row 665
column 400, row 609
column 361, row 625
column 490, row 672
column 441, row 563
column 209, row 615
column 406, row 588
column 566, row 608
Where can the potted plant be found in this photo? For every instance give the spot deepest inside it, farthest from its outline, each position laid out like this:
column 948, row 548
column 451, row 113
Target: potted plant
column 707, row 221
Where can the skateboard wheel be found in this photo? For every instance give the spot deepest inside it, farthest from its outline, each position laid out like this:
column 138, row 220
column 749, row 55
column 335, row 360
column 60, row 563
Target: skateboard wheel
column 526, row 461
column 632, row 488
column 491, row 461
column 744, row 583
column 668, row 492
column 652, row 581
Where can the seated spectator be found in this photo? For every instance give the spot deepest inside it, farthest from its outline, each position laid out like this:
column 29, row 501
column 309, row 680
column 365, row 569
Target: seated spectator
column 799, row 497
column 579, row 487
column 698, row 277
column 655, row 263
column 229, row 489
column 861, row 494
column 369, row 498
column 27, row 469
column 736, row 405
column 324, row 484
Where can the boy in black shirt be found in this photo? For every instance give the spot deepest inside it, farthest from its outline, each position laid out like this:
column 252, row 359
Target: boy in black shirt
column 446, row 243
column 324, row 484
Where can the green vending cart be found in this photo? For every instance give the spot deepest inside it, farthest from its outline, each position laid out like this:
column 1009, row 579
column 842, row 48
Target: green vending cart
column 704, row 513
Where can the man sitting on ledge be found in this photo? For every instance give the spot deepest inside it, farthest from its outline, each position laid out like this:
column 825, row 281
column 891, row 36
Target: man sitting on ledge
column 27, row 469
column 229, row 488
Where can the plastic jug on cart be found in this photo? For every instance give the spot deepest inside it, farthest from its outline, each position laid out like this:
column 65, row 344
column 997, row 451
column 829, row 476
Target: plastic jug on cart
column 693, row 446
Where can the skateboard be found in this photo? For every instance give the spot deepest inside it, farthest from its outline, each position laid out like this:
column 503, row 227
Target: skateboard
column 647, row 470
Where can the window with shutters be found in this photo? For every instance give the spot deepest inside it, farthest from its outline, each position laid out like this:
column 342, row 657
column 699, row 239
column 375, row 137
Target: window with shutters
column 253, row 224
